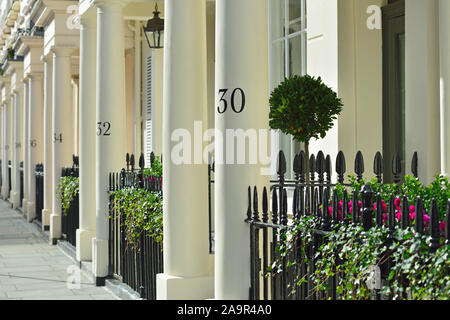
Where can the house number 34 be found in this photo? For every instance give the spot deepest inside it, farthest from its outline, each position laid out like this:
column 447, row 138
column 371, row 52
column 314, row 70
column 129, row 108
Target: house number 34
column 236, row 105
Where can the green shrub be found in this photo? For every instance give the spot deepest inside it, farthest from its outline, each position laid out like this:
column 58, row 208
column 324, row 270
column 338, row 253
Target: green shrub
column 67, row 189
column 142, row 210
column 304, row 107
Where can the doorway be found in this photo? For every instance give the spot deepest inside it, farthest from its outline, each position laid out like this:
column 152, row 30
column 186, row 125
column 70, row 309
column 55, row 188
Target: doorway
column 393, row 85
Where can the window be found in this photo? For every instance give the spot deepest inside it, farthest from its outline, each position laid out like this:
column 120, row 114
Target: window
column 288, row 39
column 287, row 23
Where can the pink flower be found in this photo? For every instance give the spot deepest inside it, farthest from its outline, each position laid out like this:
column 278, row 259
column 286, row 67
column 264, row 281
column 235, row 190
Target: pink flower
column 426, row 220
column 412, row 208
column 412, row 215
column 397, row 203
column 384, row 206
column 340, row 205
column 385, row 218
column 398, row 215
column 330, row 211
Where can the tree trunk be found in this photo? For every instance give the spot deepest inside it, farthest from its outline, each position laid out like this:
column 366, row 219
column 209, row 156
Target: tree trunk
column 307, row 161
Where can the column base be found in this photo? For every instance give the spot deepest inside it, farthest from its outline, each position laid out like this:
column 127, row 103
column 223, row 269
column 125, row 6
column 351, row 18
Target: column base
column 55, row 228
column 24, row 205
column 100, row 258
column 100, row 281
column 5, row 192
column 180, row 288
column 46, row 219
column 84, row 245
column 15, row 199
column 31, row 211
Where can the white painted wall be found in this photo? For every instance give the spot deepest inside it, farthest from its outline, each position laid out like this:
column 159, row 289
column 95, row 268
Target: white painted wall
column 422, row 86
column 348, row 57
column 444, row 40
column 322, row 59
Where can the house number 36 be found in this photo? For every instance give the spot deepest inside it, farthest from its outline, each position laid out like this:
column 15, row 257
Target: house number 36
column 235, row 106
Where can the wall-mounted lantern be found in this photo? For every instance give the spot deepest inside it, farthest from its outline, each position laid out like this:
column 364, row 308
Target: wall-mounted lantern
column 154, row 30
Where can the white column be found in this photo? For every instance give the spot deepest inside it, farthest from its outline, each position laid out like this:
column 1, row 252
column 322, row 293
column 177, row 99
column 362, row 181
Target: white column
column 88, row 52
column 76, row 112
column 110, row 113
column 444, row 40
column 36, row 138
column 62, row 129
column 1, row 143
column 186, row 252
column 422, row 86
column 48, row 141
column 26, row 145
column 137, row 105
column 6, row 146
column 241, row 62
column 12, row 148
column 17, row 145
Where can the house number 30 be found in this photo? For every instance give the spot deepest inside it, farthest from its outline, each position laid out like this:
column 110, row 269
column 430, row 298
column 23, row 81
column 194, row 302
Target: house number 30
column 237, row 108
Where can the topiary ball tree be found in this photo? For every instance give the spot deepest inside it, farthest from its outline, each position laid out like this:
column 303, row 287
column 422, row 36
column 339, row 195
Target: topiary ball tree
column 304, row 107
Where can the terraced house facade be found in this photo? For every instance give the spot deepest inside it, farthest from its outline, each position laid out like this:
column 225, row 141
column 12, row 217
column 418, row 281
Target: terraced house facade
column 80, row 78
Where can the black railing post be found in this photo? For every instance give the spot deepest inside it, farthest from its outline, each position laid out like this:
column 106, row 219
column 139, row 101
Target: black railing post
column 359, row 166
column 378, row 167
column 435, row 232
column 405, row 213
column 366, row 195
column 340, row 167
column 396, row 167
column 447, row 224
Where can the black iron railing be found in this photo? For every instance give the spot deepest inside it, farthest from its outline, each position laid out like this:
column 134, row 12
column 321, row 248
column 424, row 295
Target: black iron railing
column 9, row 178
column 22, row 194
column 269, row 223
column 136, row 264
column 70, row 219
column 39, row 176
column 211, row 171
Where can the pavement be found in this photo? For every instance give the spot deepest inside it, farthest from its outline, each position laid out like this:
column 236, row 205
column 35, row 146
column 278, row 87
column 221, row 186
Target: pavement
column 32, row 269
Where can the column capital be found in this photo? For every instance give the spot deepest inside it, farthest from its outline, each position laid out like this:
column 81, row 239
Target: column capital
column 88, row 20
column 47, row 58
column 62, row 51
column 120, row 4
column 35, row 76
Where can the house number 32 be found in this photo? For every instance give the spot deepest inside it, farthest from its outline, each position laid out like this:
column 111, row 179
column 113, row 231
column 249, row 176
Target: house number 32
column 103, row 128
column 236, row 107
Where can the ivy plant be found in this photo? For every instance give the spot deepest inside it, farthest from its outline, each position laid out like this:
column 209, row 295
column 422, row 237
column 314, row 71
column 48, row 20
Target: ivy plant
column 349, row 253
column 142, row 210
column 412, row 188
column 67, row 189
column 156, row 168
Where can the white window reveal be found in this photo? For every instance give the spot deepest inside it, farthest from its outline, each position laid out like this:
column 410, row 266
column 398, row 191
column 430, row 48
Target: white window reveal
column 148, row 104
column 287, row 52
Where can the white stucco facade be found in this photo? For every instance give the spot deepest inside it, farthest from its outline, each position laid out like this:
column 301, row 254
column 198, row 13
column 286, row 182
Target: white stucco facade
column 77, row 66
